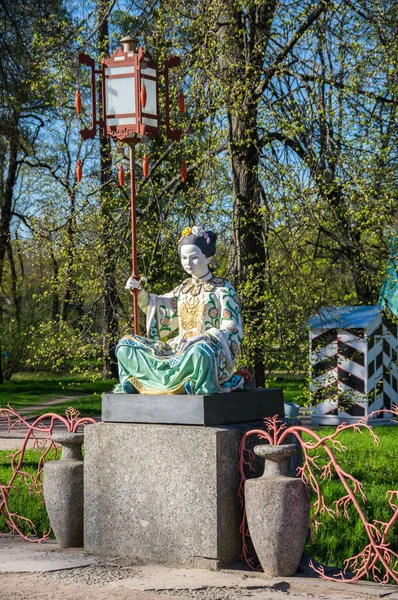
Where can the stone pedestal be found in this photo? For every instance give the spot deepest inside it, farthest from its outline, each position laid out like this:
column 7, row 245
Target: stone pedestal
column 211, row 410
column 160, row 486
column 162, row 493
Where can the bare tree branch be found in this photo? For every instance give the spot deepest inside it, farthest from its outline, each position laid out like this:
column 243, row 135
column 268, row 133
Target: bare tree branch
column 270, row 72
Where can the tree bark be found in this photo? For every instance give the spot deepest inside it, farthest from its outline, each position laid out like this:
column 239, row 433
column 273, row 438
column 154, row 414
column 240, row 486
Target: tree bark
column 110, row 296
column 248, row 255
column 351, row 245
column 70, row 296
column 243, row 42
column 8, row 192
column 55, row 304
column 6, row 199
column 14, row 291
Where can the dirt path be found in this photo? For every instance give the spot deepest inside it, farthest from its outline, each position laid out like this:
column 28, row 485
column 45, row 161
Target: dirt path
column 12, row 440
column 52, row 402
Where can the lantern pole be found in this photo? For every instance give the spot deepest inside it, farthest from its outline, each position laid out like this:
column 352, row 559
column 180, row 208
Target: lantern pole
column 134, row 268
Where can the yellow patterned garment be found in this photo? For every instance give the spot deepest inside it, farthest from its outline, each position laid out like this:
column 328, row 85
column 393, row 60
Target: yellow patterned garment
column 208, row 306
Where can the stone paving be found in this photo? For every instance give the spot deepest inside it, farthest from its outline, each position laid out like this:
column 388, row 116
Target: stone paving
column 34, row 570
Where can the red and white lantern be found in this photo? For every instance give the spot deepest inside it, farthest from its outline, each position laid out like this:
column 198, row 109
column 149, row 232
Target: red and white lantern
column 130, row 95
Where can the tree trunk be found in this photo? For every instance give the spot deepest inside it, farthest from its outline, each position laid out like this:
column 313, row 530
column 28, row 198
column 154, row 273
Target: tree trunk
column 1, row 356
column 14, row 291
column 110, row 297
column 351, row 246
column 70, row 252
column 6, row 206
column 248, row 255
column 7, row 193
column 243, row 39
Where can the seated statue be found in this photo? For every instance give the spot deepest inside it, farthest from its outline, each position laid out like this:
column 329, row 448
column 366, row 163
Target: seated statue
column 204, row 313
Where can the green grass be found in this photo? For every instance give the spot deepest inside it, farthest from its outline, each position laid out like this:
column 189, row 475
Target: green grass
column 293, row 388
column 376, row 467
column 29, row 389
column 21, row 501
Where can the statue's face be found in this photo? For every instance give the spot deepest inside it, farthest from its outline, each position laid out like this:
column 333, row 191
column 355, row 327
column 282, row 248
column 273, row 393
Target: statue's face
column 194, row 261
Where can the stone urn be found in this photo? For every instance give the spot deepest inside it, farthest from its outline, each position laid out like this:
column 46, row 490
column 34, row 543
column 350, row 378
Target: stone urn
column 63, row 490
column 291, row 410
column 277, row 509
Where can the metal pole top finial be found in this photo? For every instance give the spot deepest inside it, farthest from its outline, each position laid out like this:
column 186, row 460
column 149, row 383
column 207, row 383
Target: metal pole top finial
column 129, row 43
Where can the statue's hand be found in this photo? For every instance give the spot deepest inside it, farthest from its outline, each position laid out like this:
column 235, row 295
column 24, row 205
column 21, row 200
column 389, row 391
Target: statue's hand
column 134, row 284
column 184, row 344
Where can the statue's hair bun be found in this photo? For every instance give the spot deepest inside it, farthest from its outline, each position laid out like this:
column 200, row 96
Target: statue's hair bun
column 205, row 240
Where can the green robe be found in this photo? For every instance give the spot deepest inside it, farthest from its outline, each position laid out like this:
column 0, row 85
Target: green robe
column 208, row 306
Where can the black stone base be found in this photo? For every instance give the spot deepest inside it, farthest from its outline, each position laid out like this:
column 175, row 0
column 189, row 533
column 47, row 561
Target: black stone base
column 216, row 409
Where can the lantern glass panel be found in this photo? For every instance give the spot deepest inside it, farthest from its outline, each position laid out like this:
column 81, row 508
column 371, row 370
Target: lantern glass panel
column 151, row 102
column 123, row 121
column 120, row 95
column 150, row 122
column 119, row 70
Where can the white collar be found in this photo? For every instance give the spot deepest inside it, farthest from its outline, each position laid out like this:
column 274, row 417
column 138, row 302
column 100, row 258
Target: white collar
column 206, row 277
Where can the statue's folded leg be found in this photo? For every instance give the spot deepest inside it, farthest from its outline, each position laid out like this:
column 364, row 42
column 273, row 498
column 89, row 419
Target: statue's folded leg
column 192, row 371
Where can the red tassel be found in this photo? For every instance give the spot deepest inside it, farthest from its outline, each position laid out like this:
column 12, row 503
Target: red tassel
column 79, row 170
column 78, row 103
column 120, row 175
column 183, row 171
column 143, row 95
column 145, row 166
column 181, row 103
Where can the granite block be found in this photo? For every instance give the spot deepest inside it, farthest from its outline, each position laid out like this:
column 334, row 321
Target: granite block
column 164, row 494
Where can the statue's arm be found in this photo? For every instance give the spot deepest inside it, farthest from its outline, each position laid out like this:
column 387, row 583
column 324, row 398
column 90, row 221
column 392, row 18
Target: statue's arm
column 160, row 310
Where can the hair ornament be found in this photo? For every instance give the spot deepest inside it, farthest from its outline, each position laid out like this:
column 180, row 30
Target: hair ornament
column 187, row 231
column 197, row 231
